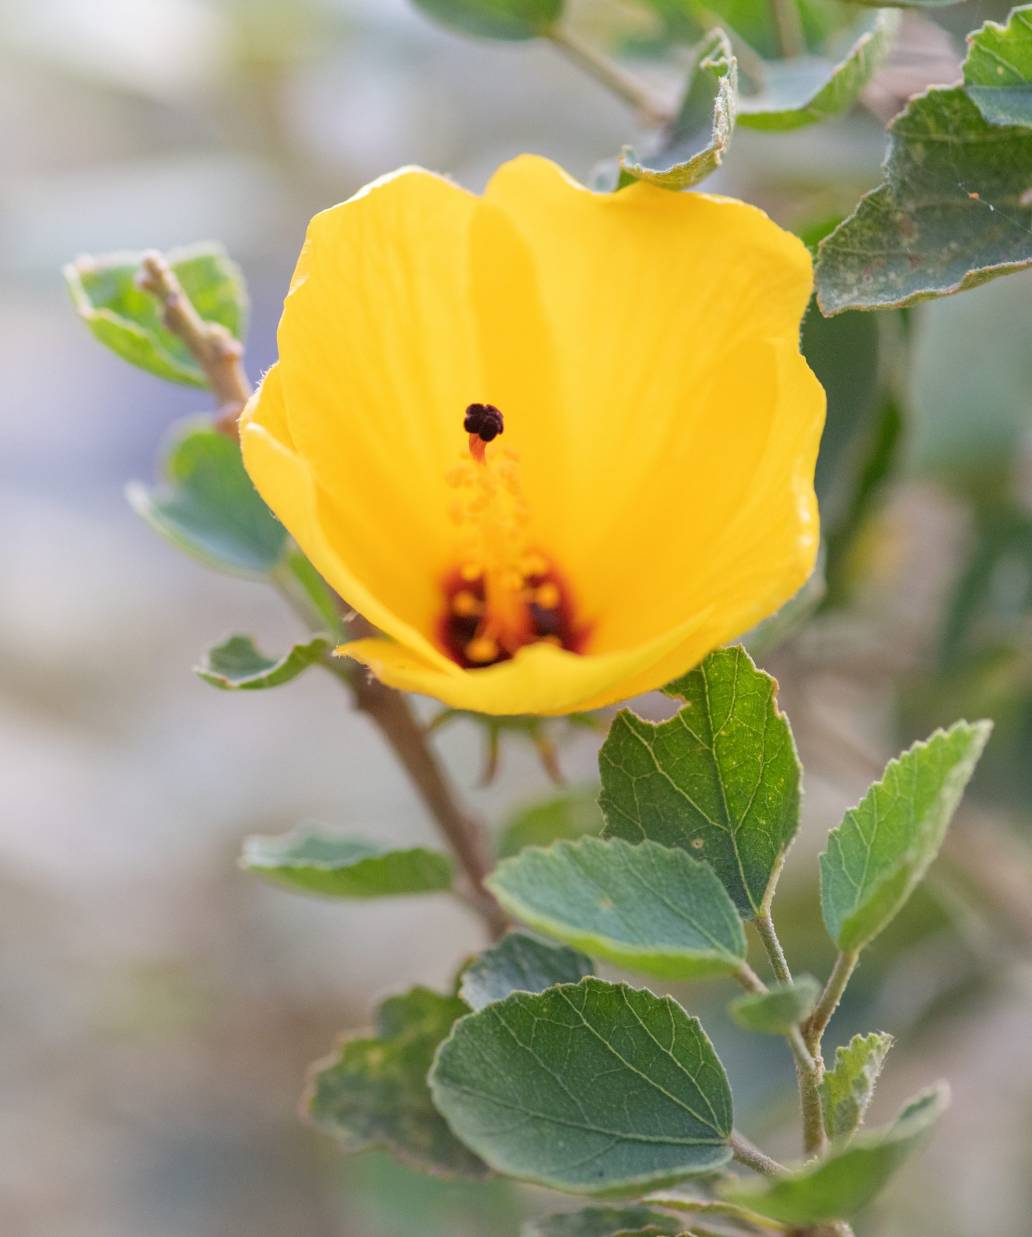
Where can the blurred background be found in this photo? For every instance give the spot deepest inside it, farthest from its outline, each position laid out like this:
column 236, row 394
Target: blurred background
column 159, row 1006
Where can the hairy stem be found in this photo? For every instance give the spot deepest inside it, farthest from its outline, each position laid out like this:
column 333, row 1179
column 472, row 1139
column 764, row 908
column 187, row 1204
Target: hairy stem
column 809, row 1072
column 751, row 1156
column 778, row 961
column 219, row 355
column 845, row 965
column 606, row 71
column 808, row 1063
column 709, row 1206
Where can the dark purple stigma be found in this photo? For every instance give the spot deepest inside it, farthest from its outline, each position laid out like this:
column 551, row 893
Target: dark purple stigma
column 484, row 420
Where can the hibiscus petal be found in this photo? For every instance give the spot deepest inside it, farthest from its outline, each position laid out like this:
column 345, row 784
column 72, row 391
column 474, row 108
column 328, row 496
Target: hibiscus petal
column 676, row 318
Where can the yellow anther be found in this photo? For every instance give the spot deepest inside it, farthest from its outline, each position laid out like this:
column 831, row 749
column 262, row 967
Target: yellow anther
column 548, row 596
column 471, row 572
column 482, row 649
column 466, row 604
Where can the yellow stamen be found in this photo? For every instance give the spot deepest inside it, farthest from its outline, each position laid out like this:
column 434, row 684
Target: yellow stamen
column 482, row 649
column 466, row 604
column 548, row 596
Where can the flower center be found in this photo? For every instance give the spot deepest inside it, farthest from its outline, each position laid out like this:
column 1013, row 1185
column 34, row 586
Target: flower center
column 504, row 593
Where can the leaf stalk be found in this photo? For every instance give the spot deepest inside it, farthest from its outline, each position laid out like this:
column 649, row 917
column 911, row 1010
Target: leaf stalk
column 607, row 72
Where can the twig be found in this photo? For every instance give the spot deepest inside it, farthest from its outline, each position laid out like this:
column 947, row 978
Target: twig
column 716, row 1207
column 220, row 357
column 391, row 713
column 214, row 349
column 778, row 961
column 845, row 964
column 809, row 1072
column 752, row 1157
column 749, row 980
column 808, row 1063
column 606, row 71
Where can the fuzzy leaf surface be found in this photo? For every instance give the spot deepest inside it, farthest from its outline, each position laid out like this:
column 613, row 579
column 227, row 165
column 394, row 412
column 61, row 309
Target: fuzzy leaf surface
column 847, row 1088
column 809, row 89
column 337, row 866
column 237, row 665
column 884, row 846
column 648, row 907
column 520, row 963
column 720, row 779
column 777, row 1010
column 372, row 1092
column 847, row 1178
column 207, row 505
column 128, row 320
column 998, row 69
column 953, row 210
column 592, row 1088
column 700, row 135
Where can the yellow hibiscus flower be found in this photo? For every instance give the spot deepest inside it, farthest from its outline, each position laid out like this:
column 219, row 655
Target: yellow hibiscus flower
column 555, row 445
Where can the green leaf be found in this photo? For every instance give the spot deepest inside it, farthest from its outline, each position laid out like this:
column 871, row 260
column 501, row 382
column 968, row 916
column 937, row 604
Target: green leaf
column 954, row 208
column 569, row 815
column 779, row 1009
column 520, row 963
column 884, row 845
column 602, row 1222
column 372, row 1091
column 848, row 1178
column 720, row 779
column 647, row 907
column 998, row 69
column 128, row 320
column 592, row 1088
column 208, row 507
column 495, row 19
column 847, row 1089
column 699, row 137
column 808, row 89
column 236, row 665
column 335, row 866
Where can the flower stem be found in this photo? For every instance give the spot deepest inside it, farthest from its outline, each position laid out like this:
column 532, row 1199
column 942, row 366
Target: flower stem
column 214, row 349
column 220, row 356
column 606, row 71
column 845, row 965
